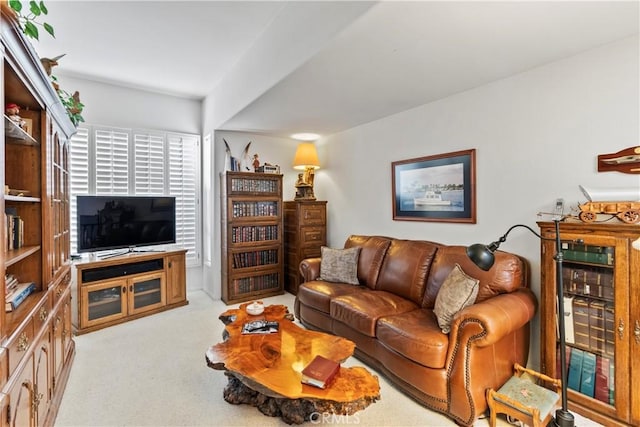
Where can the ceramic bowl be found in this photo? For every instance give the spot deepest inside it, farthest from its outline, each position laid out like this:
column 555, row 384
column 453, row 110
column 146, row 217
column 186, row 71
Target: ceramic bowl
column 255, row 308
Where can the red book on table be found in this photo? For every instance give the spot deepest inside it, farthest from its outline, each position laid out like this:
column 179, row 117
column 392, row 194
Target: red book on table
column 320, row 372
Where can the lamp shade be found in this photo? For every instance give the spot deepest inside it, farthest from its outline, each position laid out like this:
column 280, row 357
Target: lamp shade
column 481, row 256
column 306, row 157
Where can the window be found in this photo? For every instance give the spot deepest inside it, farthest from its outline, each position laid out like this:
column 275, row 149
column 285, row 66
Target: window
column 134, row 162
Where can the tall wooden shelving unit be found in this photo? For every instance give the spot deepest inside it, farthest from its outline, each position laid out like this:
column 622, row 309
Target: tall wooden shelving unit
column 251, row 229
column 601, row 278
column 36, row 346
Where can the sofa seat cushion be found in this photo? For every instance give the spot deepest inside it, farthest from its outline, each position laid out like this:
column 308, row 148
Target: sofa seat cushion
column 317, row 294
column 362, row 310
column 415, row 335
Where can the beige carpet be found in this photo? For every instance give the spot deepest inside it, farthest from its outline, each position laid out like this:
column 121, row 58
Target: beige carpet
column 152, row 372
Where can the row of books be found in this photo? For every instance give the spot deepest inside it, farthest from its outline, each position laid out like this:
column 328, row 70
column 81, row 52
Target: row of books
column 243, row 209
column 588, row 280
column 590, row 374
column 255, row 258
column 14, row 227
column 255, row 283
column 590, row 324
column 588, row 253
column 254, row 185
column 254, row 233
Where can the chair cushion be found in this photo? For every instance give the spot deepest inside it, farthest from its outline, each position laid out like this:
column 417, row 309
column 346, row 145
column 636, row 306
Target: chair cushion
column 457, row 292
column 415, row 335
column 339, row 265
column 361, row 310
column 528, row 394
column 317, row 294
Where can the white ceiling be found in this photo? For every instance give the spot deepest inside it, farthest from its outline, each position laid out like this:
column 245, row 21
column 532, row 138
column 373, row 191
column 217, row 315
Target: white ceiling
column 392, row 57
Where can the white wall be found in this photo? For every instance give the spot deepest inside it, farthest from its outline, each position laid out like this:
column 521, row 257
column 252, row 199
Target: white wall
column 112, row 105
column 537, row 136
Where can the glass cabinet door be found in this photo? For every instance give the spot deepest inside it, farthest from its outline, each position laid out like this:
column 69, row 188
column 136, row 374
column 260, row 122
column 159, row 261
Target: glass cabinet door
column 146, row 292
column 104, row 302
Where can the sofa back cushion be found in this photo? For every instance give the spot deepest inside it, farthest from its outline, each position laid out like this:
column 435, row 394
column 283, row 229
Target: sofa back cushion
column 372, row 252
column 508, row 273
column 406, row 267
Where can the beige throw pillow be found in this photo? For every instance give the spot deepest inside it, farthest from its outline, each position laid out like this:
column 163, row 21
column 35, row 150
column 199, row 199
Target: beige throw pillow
column 457, row 292
column 339, row 265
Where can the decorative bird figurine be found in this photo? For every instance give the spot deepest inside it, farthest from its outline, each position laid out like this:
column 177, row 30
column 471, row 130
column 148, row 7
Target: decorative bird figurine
column 49, row 63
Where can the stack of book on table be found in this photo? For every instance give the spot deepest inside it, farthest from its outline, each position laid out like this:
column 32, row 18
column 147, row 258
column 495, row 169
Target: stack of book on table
column 16, row 295
column 320, row 372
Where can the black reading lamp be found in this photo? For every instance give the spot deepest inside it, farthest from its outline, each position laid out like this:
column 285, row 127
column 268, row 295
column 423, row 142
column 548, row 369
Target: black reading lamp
column 483, row 256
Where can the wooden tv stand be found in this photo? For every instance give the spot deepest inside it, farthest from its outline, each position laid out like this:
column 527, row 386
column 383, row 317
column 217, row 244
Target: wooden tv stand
column 127, row 287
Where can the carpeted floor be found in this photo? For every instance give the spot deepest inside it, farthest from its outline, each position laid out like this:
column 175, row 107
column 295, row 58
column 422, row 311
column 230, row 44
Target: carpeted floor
column 152, row 372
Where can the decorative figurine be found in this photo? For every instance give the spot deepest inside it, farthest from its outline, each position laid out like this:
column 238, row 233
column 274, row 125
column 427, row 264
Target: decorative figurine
column 13, row 112
column 256, row 162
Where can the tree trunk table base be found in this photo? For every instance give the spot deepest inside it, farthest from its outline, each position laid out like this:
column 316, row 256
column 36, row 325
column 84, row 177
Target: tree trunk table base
column 292, row 411
column 264, row 370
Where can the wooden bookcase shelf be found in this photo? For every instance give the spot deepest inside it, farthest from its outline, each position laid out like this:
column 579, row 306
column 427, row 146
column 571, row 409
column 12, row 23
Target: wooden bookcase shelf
column 252, row 233
column 36, row 344
column 601, row 278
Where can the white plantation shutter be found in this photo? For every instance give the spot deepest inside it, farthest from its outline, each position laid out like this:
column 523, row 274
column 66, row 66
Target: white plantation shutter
column 131, row 162
column 112, row 161
column 79, row 176
column 184, row 175
column 149, row 163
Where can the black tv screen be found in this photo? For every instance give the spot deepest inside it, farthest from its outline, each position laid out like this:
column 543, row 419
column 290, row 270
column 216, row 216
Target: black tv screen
column 114, row 222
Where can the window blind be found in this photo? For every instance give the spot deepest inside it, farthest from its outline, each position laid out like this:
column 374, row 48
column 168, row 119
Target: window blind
column 135, row 162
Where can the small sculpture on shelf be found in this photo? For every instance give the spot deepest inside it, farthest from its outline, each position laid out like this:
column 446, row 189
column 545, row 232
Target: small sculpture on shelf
column 13, row 112
column 256, row 162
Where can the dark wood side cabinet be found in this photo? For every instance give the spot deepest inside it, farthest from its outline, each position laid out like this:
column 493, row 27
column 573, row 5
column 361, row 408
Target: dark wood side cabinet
column 251, row 238
column 305, row 232
column 36, row 342
column 601, row 278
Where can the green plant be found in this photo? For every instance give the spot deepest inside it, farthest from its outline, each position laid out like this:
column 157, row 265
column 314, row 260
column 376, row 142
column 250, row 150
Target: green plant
column 29, row 23
column 70, row 102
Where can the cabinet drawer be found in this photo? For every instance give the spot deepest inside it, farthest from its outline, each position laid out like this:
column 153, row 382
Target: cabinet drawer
column 309, row 253
column 59, row 288
column 19, row 343
column 312, row 236
column 313, row 214
column 41, row 313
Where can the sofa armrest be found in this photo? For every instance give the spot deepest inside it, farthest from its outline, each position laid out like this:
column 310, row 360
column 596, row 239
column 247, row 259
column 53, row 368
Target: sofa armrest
column 496, row 317
column 310, row 269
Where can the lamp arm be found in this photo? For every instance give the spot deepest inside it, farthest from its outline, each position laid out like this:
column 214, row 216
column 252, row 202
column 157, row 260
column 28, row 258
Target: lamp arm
column 494, row 246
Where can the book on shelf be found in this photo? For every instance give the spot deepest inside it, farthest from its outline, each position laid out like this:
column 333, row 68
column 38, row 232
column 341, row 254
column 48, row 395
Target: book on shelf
column 575, row 369
column 320, row 372
column 601, row 391
column 19, row 294
column 568, row 320
column 588, row 377
column 260, row 327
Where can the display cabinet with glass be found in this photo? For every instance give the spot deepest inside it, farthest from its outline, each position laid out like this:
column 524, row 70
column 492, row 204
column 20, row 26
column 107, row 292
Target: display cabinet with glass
column 601, row 275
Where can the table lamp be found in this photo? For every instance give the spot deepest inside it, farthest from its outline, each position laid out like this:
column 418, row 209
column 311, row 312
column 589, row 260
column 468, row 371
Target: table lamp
column 306, row 159
column 483, row 256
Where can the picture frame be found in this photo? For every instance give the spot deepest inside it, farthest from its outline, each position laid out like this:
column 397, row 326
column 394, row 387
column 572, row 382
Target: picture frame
column 438, row 188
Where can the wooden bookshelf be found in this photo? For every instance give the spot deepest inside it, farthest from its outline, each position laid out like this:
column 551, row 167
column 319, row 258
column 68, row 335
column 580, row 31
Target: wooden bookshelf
column 252, row 233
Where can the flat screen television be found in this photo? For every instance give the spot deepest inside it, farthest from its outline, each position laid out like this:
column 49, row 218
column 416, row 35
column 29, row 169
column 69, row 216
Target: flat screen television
column 115, row 222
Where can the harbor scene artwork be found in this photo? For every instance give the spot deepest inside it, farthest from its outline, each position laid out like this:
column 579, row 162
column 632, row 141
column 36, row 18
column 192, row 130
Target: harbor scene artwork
column 435, row 188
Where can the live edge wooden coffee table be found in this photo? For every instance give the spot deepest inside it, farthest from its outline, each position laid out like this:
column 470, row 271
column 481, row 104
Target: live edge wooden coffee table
column 264, row 369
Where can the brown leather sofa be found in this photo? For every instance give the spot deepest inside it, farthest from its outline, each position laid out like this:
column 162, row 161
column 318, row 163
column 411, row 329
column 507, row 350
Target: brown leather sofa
column 390, row 317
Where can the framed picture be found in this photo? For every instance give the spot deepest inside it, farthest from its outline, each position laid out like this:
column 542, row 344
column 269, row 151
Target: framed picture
column 439, row 188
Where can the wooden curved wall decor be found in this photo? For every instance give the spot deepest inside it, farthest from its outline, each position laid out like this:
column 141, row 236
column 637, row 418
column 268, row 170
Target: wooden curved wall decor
column 625, row 161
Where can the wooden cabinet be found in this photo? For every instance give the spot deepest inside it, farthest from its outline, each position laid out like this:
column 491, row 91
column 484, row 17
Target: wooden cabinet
column 601, row 278
column 129, row 286
column 251, row 229
column 35, row 233
column 305, row 232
